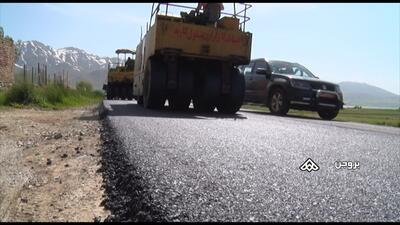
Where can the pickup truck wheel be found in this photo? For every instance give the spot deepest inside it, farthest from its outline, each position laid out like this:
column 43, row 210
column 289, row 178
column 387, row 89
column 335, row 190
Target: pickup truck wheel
column 278, row 104
column 328, row 114
column 232, row 102
column 154, row 84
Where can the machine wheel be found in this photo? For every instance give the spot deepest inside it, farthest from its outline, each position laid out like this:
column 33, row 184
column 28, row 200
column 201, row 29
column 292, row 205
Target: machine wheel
column 154, row 84
column 179, row 103
column 116, row 92
column 130, row 96
column 278, row 103
column 126, row 92
column 130, row 91
column 109, row 93
column 232, row 102
column 328, row 114
column 112, row 92
column 140, row 100
column 207, row 93
column 121, row 90
column 180, row 99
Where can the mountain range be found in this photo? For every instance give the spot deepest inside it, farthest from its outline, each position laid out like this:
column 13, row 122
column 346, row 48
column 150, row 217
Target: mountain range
column 85, row 66
column 79, row 64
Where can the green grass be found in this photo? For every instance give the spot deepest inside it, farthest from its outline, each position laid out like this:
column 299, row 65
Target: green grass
column 2, row 97
column 52, row 96
column 386, row 117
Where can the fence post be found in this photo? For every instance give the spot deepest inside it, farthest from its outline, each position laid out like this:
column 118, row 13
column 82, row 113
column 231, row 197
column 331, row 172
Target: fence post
column 45, row 73
column 32, row 75
column 24, row 73
column 38, row 74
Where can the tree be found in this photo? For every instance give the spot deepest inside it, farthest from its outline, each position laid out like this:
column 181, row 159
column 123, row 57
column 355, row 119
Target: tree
column 1, row 32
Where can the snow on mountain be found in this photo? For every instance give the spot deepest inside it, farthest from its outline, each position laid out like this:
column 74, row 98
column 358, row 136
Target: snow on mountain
column 79, row 64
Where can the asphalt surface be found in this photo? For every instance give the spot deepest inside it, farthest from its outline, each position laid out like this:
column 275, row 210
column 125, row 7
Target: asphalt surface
column 246, row 167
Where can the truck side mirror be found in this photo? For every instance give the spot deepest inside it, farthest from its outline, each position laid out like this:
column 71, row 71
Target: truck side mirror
column 264, row 71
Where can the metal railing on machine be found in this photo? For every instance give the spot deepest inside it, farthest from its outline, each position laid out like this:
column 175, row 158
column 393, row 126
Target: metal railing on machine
column 242, row 14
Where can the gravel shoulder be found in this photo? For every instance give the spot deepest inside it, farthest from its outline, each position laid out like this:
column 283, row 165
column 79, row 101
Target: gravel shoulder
column 49, row 165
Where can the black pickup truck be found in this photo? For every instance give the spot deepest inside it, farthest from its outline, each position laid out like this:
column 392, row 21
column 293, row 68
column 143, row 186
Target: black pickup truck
column 285, row 85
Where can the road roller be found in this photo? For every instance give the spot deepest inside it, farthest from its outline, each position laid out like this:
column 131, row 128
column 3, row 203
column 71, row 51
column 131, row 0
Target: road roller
column 193, row 58
column 120, row 77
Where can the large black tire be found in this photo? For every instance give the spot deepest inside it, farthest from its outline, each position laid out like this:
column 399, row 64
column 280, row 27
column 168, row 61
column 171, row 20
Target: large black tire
column 207, row 92
column 278, row 102
column 109, row 92
column 232, row 102
column 179, row 103
column 140, row 100
column 328, row 114
column 154, row 84
column 122, row 91
column 117, row 90
column 130, row 92
column 113, row 92
column 180, row 99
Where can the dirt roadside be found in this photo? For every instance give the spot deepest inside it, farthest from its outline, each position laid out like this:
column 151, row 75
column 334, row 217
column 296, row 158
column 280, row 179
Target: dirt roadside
column 49, row 163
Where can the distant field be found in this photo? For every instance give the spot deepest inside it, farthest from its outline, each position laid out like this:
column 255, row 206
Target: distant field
column 387, row 117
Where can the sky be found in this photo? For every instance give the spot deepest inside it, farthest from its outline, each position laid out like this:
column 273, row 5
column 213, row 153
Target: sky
column 336, row 41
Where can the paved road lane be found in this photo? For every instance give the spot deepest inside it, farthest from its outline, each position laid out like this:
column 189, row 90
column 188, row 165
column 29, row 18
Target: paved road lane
column 210, row 167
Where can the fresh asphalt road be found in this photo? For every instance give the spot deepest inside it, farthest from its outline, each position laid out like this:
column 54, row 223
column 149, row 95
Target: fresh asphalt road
column 212, row 167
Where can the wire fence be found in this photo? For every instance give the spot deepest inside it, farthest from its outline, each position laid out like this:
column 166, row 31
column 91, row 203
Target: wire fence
column 39, row 75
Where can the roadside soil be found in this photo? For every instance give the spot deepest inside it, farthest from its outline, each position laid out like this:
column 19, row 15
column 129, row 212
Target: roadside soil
column 49, row 163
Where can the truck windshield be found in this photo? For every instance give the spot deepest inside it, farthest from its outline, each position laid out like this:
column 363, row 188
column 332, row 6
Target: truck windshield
column 294, row 69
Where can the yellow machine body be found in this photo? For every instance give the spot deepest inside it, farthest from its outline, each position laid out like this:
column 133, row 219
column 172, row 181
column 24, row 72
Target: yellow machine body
column 116, row 75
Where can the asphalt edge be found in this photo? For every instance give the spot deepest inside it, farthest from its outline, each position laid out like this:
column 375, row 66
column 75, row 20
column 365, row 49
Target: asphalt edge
column 125, row 190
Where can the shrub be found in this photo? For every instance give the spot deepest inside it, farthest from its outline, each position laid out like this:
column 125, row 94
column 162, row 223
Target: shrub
column 21, row 93
column 54, row 93
column 2, row 97
column 84, row 87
